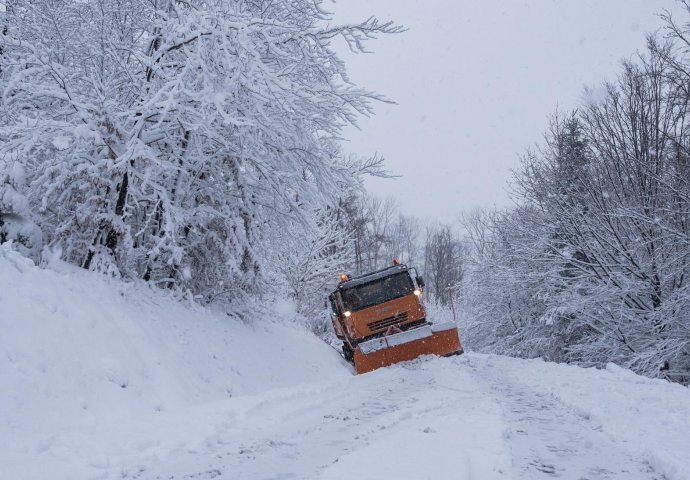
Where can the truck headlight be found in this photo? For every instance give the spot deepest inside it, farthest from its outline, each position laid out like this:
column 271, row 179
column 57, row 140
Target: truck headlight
column 347, row 313
column 417, row 292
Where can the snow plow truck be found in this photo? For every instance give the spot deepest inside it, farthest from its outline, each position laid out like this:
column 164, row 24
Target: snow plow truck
column 381, row 320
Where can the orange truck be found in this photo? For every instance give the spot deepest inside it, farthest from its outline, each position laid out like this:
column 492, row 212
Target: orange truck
column 381, row 319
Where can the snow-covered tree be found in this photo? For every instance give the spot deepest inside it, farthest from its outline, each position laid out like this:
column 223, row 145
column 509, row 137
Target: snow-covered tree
column 171, row 140
column 593, row 265
column 16, row 223
column 443, row 262
column 309, row 265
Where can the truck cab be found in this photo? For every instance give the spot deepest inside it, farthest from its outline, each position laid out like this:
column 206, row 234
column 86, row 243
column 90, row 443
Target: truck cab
column 375, row 304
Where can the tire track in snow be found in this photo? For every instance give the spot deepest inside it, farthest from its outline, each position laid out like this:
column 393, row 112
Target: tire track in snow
column 415, row 421
column 550, row 440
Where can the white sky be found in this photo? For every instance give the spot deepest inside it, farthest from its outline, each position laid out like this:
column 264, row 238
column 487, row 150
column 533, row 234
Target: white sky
column 475, row 82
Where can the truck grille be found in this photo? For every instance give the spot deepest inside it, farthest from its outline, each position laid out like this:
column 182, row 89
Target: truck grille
column 387, row 322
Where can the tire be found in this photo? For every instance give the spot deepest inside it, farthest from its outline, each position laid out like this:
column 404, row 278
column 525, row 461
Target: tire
column 348, row 353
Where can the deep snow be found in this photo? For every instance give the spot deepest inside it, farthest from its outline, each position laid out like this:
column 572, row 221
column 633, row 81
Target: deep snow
column 106, row 380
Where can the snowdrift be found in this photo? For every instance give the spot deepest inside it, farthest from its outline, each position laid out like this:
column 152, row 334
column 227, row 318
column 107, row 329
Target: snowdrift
column 95, row 372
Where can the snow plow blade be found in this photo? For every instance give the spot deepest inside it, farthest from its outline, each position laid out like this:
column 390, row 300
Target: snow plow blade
column 441, row 339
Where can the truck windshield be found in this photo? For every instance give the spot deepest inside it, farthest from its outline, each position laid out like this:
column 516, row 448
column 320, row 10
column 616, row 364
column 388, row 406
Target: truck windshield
column 378, row 291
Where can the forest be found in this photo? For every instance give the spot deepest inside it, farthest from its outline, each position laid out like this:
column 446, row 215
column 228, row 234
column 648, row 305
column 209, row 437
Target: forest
column 196, row 145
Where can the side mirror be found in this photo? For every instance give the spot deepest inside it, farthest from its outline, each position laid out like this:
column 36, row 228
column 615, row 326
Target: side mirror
column 420, row 281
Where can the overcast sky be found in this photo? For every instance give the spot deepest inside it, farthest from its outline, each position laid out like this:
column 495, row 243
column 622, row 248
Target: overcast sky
column 475, row 82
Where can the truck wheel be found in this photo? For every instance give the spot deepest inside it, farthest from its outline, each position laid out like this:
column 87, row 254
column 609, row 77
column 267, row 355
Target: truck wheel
column 348, row 353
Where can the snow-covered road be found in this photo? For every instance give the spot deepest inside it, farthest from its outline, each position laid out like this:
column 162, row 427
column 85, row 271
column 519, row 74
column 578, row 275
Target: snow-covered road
column 422, row 420
column 101, row 380
column 548, row 439
column 460, row 418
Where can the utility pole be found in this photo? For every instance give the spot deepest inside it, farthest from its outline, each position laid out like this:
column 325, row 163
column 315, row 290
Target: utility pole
column 452, row 302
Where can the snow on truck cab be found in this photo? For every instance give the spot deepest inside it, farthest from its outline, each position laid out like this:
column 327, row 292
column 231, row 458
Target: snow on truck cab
column 381, row 320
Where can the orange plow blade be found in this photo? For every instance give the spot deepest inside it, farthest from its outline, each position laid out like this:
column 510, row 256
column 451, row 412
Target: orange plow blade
column 441, row 339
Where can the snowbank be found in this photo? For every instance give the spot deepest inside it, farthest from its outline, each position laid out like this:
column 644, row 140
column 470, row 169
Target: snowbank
column 649, row 417
column 96, row 372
